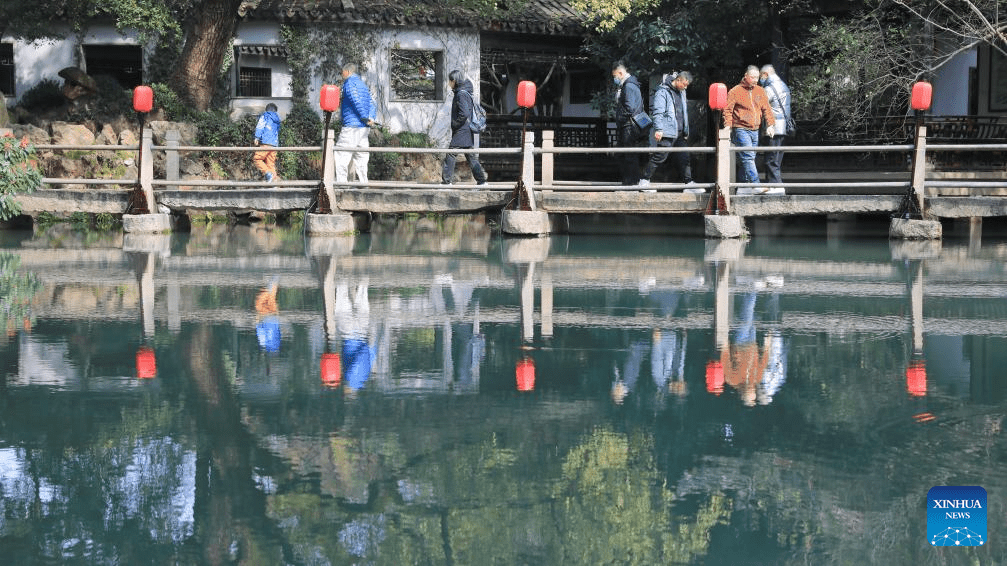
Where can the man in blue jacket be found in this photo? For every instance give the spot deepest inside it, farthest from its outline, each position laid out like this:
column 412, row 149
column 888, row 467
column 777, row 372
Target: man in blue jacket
column 357, row 110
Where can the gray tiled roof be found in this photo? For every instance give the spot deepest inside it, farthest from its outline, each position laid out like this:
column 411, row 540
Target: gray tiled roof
column 553, row 17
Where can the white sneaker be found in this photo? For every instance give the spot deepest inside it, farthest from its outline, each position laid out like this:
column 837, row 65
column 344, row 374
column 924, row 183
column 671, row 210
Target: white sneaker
column 742, row 191
column 760, row 190
column 643, row 182
column 776, row 191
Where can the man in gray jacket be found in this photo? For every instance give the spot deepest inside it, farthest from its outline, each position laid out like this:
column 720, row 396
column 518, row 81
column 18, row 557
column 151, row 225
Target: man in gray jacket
column 671, row 125
column 779, row 100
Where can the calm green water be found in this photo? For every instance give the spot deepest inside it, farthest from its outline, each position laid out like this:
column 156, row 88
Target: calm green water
column 434, row 394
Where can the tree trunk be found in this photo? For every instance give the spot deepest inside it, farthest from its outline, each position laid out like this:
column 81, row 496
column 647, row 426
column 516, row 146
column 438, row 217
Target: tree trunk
column 208, row 33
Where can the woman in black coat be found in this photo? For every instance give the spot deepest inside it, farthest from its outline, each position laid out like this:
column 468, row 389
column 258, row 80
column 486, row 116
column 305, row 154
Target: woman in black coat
column 461, row 135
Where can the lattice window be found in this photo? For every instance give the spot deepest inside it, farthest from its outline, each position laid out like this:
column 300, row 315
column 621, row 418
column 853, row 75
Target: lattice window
column 255, row 81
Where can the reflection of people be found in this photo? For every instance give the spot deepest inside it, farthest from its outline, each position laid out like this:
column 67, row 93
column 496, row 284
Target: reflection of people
column 671, row 125
column 626, row 382
column 667, row 361
column 352, row 320
column 746, row 110
column 267, row 136
column 357, row 110
column 743, row 365
column 775, row 374
column 628, row 103
column 267, row 329
column 779, row 100
column 462, row 136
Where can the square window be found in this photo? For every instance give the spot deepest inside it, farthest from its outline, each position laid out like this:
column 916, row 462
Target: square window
column 123, row 62
column 417, row 74
column 255, row 81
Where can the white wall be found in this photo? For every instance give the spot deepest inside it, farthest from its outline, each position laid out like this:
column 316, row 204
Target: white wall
column 951, row 86
column 40, row 60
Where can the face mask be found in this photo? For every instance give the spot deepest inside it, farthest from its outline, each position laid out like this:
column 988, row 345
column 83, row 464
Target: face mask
column 763, row 82
column 616, row 81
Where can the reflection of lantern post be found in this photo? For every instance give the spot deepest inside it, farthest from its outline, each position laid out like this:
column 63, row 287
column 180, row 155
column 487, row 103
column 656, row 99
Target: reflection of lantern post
column 714, row 377
column 524, row 373
column 916, row 377
column 146, row 363
column 916, row 304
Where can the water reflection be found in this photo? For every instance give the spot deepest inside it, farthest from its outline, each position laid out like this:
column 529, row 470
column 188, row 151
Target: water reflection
column 432, row 394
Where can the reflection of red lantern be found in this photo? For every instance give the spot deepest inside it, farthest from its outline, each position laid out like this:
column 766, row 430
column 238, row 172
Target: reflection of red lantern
column 143, row 99
column 714, row 377
column 718, row 96
column 332, row 370
column 526, row 94
column 146, row 363
column 916, row 378
column 329, row 98
column 525, row 373
column 922, row 95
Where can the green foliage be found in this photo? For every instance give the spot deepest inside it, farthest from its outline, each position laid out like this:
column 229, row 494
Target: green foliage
column 16, row 290
column 301, row 127
column 171, row 103
column 386, row 165
column 46, row 94
column 300, row 55
column 19, row 173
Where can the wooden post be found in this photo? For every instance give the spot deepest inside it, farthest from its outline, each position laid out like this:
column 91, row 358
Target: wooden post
column 725, row 163
column 147, row 168
column 171, row 139
column 328, row 167
column 920, row 163
column 528, row 168
column 547, row 156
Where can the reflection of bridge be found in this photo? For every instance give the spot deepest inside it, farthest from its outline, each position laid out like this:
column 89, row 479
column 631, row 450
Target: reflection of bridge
column 434, row 274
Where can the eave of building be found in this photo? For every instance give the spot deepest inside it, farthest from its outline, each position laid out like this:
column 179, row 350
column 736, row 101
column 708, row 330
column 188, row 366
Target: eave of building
column 541, row 17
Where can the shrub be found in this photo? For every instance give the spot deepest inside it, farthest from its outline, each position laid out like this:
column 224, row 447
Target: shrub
column 110, row 100
column 171, row 103
column 301, row 127
column 47, row 94
column 19, row 173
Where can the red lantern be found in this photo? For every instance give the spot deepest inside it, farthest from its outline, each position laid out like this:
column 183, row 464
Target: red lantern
column 146, row 363
column 525, row 373
column 916, row 377
column 718, row 96
column 332, row 370
column 329, row 98
column 714, row 377
column 143, row 99
column 526, row 94
column 922, row 96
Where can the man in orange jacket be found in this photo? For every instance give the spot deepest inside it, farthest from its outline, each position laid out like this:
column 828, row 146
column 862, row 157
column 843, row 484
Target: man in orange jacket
column 747, row 108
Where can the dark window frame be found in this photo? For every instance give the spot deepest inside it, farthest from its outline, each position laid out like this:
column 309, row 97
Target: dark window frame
column 124, row 62
column 417, row 75
column 255, row 82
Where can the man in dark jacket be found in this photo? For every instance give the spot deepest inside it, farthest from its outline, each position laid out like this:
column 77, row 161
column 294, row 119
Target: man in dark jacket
column 462, row 136
column 670, row 112
column 628, row 103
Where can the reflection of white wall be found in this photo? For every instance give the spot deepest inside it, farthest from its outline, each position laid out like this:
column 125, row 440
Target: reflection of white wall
column 44, row 363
